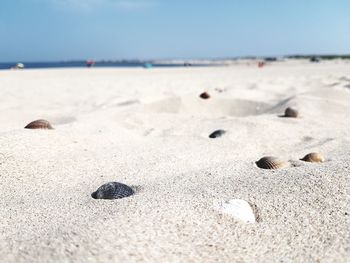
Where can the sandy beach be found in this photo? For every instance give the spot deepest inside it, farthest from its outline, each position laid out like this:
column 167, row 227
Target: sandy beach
column 149, row 129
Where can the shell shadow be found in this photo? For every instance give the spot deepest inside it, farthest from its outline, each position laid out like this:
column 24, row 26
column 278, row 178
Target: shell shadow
column 256, row 212
column 61, row 120
column 137, row 188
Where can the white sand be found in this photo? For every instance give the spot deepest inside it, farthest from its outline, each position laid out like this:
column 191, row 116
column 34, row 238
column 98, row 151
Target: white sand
column 148, row 128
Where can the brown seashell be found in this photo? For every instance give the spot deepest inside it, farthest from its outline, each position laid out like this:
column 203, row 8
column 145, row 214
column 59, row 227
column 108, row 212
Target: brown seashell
column 204, row 95
column 290, row 112
column 270, row 162
column 313, row 158
column 39, row 124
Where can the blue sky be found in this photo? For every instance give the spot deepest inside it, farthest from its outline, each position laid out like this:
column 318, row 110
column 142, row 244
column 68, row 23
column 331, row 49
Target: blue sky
column 48, row 30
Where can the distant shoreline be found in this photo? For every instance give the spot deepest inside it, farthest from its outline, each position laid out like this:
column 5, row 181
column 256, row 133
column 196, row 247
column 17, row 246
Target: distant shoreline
column 163, row 62
column 98, row 64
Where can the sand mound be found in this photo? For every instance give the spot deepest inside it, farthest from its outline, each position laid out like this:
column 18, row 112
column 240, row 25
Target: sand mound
column 214, row 107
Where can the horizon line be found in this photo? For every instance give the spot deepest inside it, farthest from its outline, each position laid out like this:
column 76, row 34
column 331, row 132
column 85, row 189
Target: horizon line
column 296, row 55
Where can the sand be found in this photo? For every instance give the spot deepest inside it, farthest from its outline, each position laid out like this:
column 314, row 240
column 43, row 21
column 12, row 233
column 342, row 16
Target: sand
column 149, row 129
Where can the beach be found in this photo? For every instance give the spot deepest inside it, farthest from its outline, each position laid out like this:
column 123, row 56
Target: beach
column 148, row 128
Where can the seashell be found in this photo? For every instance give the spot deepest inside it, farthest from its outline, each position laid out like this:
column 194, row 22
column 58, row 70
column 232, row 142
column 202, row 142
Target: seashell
column 291, row 113
column 112, row 190
column 216, row 134
column 39, row 124
column 270, row 162
column 238, row 209
column 313, row 158
column 204, row 95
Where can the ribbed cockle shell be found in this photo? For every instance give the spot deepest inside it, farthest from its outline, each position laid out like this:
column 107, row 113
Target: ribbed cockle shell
column 313, row 158
column 112, row 190
column 39, row 124
column 270, row 162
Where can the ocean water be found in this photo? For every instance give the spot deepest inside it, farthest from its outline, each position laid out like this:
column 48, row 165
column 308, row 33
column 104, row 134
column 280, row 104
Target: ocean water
column 82, row 64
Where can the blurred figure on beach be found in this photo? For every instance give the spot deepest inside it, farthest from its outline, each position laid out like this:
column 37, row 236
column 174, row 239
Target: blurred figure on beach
column 90, row 63
column 18, row 66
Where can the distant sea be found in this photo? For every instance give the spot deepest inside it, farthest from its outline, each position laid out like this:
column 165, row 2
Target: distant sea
column 82, row 64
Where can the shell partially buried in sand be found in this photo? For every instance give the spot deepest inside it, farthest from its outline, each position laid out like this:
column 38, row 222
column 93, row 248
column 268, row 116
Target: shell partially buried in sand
column 216, row 134
column 270, row 162
column 204, row 95
column 291, row 113
column 39, row 124
column 313, row 158
column 238, row 209
column 112, row 190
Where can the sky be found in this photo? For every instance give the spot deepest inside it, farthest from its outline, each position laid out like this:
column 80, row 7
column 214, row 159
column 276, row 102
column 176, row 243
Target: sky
column 56, row 30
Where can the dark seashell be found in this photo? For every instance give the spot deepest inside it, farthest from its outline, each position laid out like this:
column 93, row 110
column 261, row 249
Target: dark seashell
column 291, row 113
column 270, row 162
column 39, row 124
column 112, row 190
column 217, row 133
column 204, row 95
column 313, row 158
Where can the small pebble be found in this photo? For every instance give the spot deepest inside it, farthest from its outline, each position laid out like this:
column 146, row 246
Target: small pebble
column 204, row 95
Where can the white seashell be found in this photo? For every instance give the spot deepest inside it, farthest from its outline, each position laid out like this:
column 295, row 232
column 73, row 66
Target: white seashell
column 237, row 208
